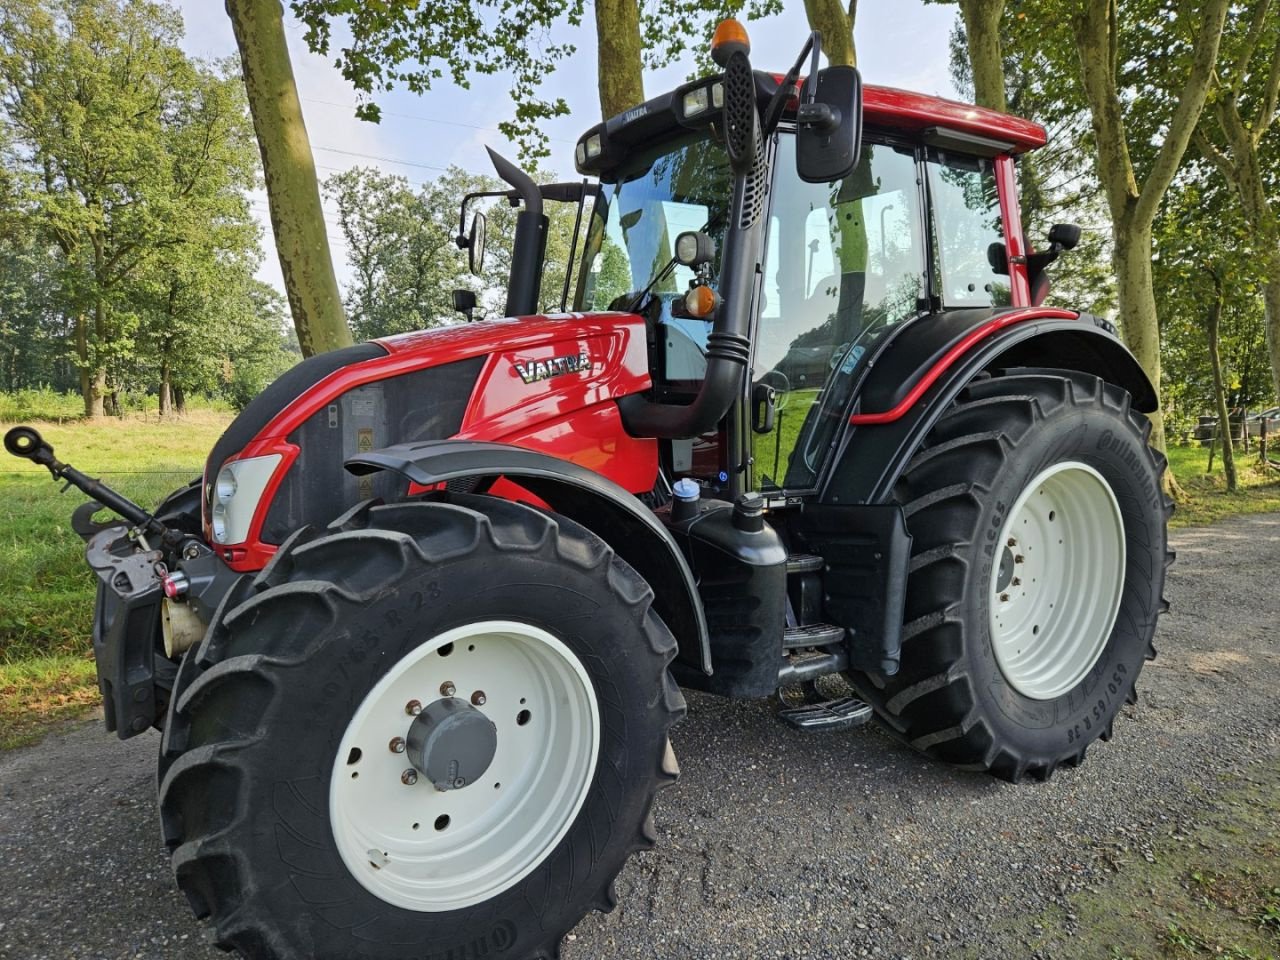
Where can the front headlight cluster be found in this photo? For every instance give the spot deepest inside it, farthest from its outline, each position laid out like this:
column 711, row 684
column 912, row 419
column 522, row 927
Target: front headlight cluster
column 236, row 493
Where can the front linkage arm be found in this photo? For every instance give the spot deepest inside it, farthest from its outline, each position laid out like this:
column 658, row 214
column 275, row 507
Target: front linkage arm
column 27, row 443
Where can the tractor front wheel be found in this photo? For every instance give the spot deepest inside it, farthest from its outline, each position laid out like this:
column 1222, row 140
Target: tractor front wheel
column 1038, row 560
column 436, row 730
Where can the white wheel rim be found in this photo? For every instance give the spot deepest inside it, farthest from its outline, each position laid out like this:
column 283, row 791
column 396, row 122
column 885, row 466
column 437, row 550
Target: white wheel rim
column 1057, row 580
column 429, row 850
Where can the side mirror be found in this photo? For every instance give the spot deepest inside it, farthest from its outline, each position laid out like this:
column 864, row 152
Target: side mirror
column 998, row 257
column 829, row 125
column 464, row 301
column 1065, row 235
column 475, row 244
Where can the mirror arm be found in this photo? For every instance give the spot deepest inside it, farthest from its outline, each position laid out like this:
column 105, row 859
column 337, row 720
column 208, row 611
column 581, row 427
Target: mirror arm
column 815, row 39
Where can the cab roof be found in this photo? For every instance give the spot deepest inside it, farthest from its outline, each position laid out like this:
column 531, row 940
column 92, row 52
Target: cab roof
column 893, row 109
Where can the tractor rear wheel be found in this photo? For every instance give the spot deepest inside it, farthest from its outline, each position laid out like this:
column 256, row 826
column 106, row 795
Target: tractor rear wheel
column 437, row 729
column 1038, row 560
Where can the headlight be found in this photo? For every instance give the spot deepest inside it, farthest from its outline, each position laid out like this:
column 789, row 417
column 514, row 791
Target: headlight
column 695, row 102
column 226, row 485
column 236, row 494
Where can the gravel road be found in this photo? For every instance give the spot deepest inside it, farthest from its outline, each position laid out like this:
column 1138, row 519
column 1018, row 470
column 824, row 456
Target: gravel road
column 774, row 843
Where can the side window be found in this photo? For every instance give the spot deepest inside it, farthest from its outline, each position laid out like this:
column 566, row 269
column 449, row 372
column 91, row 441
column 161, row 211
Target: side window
column 966, row 220
column 843, row 261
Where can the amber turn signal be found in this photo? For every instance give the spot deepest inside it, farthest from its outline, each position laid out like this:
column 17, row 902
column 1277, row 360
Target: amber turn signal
column 730, row 36
column 700, row 301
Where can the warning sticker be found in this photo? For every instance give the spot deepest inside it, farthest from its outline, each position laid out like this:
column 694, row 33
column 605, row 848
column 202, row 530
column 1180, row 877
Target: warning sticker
column 364, row 439
column 364, row 405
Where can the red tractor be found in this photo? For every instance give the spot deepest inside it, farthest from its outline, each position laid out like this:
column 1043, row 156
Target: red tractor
column 415, row 639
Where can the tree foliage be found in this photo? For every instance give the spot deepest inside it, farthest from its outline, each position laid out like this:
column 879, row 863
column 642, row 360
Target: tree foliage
column 415, row 44
column 401, row 247
column 126, row 166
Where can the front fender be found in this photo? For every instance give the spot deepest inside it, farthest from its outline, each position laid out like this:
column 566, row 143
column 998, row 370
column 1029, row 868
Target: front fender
column 599, row 504
column 930, row 362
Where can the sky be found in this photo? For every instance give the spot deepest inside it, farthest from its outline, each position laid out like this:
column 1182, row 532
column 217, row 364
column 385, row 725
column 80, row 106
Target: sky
column 901, row 43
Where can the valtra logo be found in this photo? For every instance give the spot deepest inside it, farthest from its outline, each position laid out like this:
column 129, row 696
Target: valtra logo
column 531, row 371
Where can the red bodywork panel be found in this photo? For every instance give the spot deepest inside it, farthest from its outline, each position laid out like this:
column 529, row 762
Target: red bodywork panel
column 963, row 346
column 571, row 414
column 904, row 110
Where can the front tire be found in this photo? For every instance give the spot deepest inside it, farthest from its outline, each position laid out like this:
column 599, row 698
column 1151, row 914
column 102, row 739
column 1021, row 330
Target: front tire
column 1038, row 561
column 306, row 811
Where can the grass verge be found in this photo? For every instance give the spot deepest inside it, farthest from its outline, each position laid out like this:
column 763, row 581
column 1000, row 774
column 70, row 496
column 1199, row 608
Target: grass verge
column 1212, row 892
column 38, row 693
column 1207, row 498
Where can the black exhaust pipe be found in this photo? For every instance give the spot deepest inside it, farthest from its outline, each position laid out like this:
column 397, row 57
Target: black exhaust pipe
column 529, row 246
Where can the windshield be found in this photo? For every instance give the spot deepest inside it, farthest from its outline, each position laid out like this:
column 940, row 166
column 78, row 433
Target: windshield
column 681, row 185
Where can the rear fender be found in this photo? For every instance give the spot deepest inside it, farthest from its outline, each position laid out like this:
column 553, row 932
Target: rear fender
column 934, row 358
column 588, row 498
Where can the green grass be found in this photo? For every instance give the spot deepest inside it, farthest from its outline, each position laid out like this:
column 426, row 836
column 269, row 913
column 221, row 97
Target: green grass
column 38, row 693
column 1205, row 496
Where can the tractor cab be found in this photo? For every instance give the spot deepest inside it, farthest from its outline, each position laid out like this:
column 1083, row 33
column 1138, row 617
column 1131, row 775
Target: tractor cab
column 925, row 221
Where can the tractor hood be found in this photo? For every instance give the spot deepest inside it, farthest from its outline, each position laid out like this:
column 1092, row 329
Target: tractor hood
column 548, row 382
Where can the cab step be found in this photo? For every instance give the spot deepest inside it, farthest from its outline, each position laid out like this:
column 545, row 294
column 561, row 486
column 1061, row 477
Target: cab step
column 804, row 563
column 811, row 635
column 840, row 714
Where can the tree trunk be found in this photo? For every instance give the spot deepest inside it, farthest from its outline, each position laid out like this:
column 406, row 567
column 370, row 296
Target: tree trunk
column 1271, row 296
column 1244, row 170
column 1139, row 322
column 986, row 59
column 618, row 50
column 1220, row 393
column 92, row 409
column 166, row 400
column 289, row 170
column 179, row 399
column 94, row 373
column 1133, row 205
column 835, row 22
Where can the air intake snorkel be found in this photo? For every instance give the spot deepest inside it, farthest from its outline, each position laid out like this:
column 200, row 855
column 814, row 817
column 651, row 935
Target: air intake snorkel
column 729, row 344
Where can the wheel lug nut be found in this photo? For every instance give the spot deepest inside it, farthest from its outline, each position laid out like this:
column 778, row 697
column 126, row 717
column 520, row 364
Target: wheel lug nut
column 1013, row 541
column 1018, row 558
column 409, row 777
column 396, row 745
column 447, row 689
column 1004, row 598
column 1015, row 582
column 413, row 708
column 479, row 699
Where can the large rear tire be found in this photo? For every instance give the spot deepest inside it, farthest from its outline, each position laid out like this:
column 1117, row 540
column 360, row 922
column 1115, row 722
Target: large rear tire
column 435, row 730
column 1038, row 561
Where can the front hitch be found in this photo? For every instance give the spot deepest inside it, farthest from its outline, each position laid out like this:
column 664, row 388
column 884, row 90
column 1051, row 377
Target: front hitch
column 134, row 562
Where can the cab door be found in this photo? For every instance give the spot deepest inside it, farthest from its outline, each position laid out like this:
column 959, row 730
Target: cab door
column 844, row 261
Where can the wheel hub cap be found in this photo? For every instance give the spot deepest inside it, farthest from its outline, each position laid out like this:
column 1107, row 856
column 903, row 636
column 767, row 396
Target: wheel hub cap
column 1056, row 591
column 452, row 743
